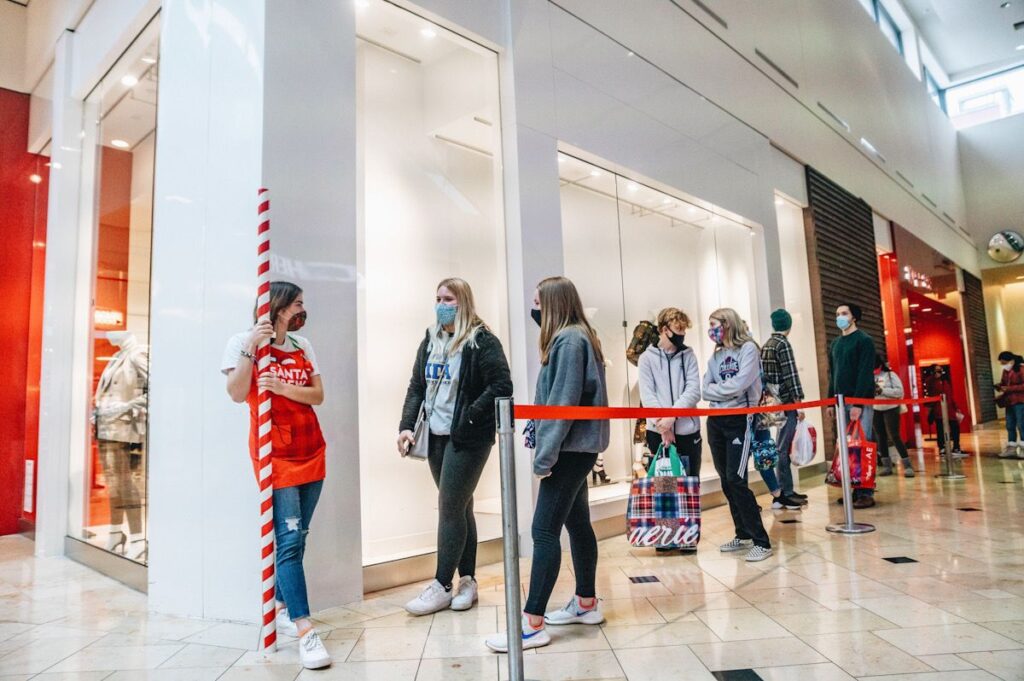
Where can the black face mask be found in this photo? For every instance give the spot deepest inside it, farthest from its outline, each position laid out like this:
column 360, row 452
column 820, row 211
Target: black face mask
column 678, row 340
column 535, row 315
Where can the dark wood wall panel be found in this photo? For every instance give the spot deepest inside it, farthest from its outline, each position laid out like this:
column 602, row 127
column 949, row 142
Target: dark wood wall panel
column 847, row 264
column 978, row 350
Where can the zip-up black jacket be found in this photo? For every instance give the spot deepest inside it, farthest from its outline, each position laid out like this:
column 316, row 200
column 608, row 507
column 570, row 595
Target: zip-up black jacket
column 483, row 377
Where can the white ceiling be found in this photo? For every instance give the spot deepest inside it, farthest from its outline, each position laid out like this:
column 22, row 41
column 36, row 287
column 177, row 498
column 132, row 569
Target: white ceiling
column 970, row 37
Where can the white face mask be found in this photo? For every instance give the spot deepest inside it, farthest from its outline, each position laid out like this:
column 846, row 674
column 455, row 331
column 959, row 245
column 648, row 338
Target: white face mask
column 1007, row 367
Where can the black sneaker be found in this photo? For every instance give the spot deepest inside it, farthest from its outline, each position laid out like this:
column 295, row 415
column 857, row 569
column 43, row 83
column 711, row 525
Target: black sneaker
column 797, row 495
column 790, row 504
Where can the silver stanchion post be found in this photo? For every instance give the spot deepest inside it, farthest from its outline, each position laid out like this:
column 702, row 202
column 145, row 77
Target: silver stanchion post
column 510, row 538
column 947, row 447
column 847, row 527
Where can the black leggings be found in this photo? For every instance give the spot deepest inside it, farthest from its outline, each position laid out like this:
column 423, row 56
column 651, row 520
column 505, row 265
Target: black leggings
column 456, row 473
column 563, row 501
column 725, row 437
column 887, row 430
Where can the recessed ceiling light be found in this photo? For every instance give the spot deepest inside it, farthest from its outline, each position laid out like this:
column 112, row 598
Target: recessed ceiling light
column 149, row 60
column 120, row 144
column 595, row 173
column 633, row 186
column 35, row 179
column 129, row 81
column 666, row 200
column 926, row 309
column 629, row 54
column 915, row 305
column 428, row 32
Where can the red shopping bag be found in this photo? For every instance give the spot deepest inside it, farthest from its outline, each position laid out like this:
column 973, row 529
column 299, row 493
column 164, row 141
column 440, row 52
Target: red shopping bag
column 863, row 460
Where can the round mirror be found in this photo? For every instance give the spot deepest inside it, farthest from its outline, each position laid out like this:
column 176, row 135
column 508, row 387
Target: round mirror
column 1005, row 246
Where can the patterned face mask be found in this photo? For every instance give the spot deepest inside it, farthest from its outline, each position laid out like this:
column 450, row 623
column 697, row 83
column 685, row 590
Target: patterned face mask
column 716, row 334
column 446, row 313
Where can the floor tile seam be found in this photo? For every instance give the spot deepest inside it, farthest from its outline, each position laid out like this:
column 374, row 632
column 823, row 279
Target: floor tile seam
column 174, row 655
column 836, row 663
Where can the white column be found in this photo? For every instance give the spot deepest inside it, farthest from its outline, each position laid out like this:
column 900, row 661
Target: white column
column 309, row 154
column 56, row 417
column 203, row 515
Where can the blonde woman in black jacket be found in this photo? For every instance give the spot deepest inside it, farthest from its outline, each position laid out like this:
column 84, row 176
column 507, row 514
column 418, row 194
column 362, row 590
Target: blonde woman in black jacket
column 460, row 369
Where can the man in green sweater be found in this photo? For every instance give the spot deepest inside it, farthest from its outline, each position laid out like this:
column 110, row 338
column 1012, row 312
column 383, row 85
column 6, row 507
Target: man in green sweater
column 851, row 374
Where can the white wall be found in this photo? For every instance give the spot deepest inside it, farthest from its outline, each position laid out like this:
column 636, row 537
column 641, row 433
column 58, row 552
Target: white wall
column 203, row 518
column 992, row 157
column 13, row 24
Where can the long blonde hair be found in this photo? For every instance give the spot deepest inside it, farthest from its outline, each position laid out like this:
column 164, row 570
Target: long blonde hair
column 467, row 323
column 736, row 332
column 560, row 309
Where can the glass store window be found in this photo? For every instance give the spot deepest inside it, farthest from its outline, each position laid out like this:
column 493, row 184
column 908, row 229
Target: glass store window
column 109, row 481
column 632, row 250
column 430, row 155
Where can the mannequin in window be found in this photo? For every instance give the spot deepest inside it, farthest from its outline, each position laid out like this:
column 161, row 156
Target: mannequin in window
column 120, row 419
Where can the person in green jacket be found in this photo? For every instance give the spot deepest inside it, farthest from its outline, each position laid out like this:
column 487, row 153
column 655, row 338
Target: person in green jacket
column 852, row 374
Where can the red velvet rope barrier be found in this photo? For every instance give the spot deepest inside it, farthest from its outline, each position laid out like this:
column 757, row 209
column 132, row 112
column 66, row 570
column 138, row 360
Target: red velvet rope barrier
column 563, row 413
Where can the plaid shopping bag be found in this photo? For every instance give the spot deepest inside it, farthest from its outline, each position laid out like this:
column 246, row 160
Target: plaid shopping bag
column 664, row 510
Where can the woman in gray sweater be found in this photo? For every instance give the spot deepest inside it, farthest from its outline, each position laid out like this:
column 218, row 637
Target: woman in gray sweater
column 572, row 374
column 733, row 380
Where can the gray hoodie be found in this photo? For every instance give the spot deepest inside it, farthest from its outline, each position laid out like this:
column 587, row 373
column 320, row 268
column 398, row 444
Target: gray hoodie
column 733, row 378
column 572, row 377
column 670, row 381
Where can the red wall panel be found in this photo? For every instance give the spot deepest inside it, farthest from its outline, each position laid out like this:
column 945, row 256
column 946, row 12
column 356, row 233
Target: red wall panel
column 23, row 186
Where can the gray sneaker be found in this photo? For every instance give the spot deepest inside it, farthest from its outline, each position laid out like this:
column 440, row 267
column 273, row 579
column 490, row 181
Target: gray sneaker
column 736, row 544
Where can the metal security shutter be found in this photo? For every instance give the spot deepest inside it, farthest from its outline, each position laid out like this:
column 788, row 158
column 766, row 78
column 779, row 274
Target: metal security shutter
column 844, row 264
column 979, row 353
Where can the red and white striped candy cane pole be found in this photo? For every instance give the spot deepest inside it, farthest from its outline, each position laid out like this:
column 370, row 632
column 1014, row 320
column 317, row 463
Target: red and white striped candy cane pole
column 268, row 634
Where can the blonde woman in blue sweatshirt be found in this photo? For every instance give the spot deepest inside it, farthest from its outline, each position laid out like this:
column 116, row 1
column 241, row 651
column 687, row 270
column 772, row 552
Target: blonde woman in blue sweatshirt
column 733, row 380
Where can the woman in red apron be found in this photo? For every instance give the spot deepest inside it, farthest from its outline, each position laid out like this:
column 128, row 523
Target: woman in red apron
column 293, row 380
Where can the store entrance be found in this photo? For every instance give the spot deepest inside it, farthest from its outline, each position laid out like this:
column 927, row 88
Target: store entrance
column 939, row 359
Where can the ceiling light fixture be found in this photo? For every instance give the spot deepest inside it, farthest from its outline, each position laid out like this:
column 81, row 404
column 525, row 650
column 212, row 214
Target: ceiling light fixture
column 120, row 144
column 633, row 186
column 629, row 54
column 926, row 309
column 129, row 81
column 666, row 200
column 915, row 305
column 595, row 173
column 428, row 32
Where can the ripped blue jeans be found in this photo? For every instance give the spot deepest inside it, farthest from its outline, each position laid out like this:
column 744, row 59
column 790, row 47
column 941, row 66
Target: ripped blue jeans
column 293, row 511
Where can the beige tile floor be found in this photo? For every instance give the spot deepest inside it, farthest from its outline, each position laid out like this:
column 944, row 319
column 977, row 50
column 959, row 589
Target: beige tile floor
column 825, row 607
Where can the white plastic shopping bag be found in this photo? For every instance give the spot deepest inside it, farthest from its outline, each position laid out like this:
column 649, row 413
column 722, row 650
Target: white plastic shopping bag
column 805, row 444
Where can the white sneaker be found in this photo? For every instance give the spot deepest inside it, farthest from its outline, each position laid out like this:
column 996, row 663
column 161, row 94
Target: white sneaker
column 433, row 599
column 465, row 595
column 736, row 544
column 1010, row 452
column 312, row 653
column 574, row 613
column 285, row 625
column 532, row 638
column 758, row 553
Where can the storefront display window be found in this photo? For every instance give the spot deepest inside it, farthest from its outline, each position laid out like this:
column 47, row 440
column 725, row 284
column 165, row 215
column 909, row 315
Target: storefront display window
column 632, row 250
column 109, row 479
column 431, row 208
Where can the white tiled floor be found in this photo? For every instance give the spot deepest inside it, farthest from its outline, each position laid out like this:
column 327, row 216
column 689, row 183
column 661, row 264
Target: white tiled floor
column 825, row 607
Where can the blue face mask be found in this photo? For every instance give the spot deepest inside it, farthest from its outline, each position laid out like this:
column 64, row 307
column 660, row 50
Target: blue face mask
column 843, row 323
column 446, row 313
